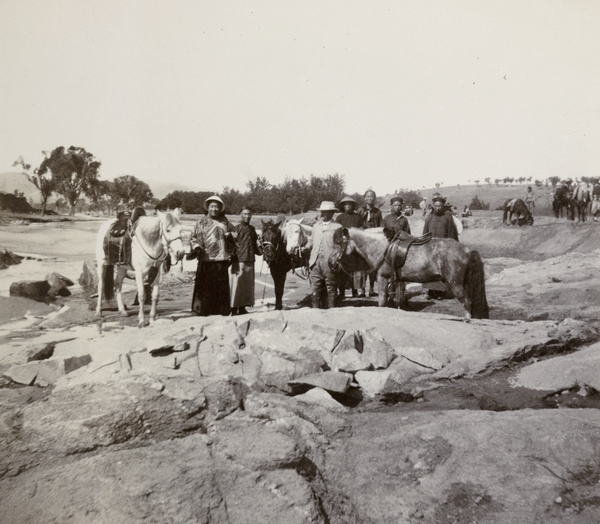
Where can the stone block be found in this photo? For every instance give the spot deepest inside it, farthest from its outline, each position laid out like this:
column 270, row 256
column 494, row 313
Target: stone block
column 34, row 289
column 328, row 380
column 321, row 398
column 375, row 349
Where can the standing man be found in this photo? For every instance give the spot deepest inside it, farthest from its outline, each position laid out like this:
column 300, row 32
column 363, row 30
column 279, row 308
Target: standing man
column 439, row 223
column 395, row 220
column 212, row 243
column 322, row 278
column 530, row 199
column 423, row 205
column 371, row 217
column 349, row 218
column 242, row 282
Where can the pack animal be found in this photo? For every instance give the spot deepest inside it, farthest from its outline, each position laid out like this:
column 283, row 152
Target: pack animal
column 283, row 255
column 582, row 196
column 440, row 259
column 517, row 207
column 562, row 203
column 152, row 242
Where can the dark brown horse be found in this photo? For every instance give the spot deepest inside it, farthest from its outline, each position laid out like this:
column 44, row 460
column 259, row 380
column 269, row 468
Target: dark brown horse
column 516, row 206
column 283, row 255
column 563, row 200
column 441, row 259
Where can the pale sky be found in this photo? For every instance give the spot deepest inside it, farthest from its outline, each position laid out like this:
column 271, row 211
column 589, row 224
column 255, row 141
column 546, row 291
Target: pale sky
column 398, row 94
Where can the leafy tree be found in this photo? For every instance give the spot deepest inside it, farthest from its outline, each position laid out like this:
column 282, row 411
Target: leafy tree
column 410, row 197
column 329, row 187
column 72, row 171
column 45, row 184
column 191, row 202
column 553, row 180
column 487, row 180
column 234, row 200
column 476, row 182
column 131, row 191
column 99, row 193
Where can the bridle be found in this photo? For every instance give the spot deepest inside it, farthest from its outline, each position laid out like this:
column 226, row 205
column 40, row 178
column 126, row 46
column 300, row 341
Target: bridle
column 165, row 246
column 297, row 254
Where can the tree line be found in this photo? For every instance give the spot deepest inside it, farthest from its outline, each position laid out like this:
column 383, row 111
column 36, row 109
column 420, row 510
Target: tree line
column 74, row 172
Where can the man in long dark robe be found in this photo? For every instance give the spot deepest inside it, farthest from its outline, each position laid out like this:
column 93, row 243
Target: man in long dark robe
column 396, row 220
column 440, row 223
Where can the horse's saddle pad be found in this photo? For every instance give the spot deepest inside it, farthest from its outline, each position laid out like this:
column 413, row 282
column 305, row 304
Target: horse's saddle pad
column 117, row 248
column 398, row 248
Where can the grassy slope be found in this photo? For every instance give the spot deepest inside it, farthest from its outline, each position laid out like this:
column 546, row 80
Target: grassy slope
column 460, row 196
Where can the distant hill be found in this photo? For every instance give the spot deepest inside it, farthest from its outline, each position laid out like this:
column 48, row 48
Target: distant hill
column 9, row 182
column 491, row 194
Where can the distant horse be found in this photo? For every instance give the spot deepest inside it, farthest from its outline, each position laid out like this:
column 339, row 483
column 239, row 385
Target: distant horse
column 582, row 197
column 562, row 200
column 517, row 207
column 441, row 259
column 283, row 251
column 153, row 240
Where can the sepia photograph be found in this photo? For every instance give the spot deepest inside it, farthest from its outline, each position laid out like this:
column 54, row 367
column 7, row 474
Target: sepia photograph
column 313, row 262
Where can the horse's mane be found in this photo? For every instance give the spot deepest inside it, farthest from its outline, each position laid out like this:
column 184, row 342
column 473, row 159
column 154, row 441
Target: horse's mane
column 149, row 227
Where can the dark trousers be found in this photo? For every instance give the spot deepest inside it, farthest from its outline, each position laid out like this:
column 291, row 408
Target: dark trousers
column 211, row 289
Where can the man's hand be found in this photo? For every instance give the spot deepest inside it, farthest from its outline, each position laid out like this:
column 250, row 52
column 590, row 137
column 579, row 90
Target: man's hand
column 194, row 253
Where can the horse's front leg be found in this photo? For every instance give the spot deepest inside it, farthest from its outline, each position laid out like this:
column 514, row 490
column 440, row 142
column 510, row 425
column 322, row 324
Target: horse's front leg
column 382, row 290
column 139, row 281
column 100, row 269
column 155, row 295
column 121, row 272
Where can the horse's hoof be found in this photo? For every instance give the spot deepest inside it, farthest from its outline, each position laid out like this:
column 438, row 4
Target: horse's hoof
column 124, row 314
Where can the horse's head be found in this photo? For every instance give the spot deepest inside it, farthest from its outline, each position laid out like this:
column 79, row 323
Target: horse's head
column 296, row 237
column 170, row 229
column 272, row 239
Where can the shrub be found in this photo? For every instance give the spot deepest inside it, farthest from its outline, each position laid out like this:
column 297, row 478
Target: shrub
column 477, row 205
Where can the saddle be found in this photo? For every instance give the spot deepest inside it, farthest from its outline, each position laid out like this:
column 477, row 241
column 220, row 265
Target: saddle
column 396, row 253
column 117, row 242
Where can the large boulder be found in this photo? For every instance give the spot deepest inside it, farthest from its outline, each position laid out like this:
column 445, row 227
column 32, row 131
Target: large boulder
column 34, row 289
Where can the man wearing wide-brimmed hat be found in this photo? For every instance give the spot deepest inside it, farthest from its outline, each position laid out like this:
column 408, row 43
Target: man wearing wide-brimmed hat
column 349, row 218
column 322, row 278
column 212, row 243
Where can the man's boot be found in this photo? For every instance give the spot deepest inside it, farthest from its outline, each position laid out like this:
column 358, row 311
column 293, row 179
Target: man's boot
column 316, row 300
column 331, row 299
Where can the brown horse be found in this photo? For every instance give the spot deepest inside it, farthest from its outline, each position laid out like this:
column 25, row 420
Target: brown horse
column 441, row 259
column 516, row 206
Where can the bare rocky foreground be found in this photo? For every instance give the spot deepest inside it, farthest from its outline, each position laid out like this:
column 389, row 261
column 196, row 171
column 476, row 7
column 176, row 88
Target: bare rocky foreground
column 347, row 415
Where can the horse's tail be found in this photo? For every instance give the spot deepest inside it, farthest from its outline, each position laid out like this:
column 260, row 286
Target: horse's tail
column 108, row 279
column 475, row 286
column 505, row 212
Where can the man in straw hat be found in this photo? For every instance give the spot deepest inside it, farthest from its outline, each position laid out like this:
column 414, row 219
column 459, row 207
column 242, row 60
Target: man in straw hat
column 322, row 278
column 349, row 218
column 213, row 244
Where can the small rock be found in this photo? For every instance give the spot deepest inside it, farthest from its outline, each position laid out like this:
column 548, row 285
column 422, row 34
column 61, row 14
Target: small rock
column 558, row 500
column 322, row 398
column 583, row 392
column 327, row 380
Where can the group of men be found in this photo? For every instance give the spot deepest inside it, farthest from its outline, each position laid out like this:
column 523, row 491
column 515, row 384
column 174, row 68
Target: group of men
column 327, row 286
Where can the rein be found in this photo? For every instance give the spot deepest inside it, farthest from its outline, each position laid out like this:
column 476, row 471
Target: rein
column 165, row 246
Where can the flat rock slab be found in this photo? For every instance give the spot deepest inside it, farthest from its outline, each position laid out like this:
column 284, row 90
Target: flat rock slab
column 327, row 380
column 562, row 372
column 468, row 466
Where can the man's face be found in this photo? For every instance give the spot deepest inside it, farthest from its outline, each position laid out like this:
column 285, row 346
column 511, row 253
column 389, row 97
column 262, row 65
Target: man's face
column 396, row 208
column 348, row 207
column 327, row 215
column 214, row 209
column 438, row 207
column 370, row 198
column 246, row 216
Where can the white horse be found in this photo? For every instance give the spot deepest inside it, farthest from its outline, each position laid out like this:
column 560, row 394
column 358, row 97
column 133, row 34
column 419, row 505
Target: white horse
column 154, row 240
column 296, row 236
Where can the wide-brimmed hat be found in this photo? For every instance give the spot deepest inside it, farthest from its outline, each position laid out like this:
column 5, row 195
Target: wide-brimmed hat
column 396, row 199
column 327, row 205
column 214, row 198
column 346, row 200
column 438, row 198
